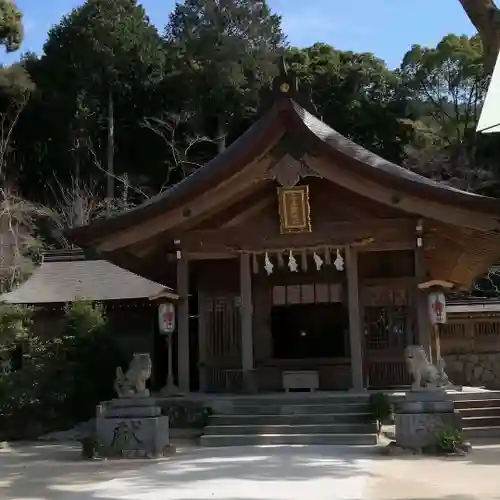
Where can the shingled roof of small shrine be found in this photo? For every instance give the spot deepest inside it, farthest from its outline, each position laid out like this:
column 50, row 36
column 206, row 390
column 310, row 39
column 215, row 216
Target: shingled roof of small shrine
column 70, row 279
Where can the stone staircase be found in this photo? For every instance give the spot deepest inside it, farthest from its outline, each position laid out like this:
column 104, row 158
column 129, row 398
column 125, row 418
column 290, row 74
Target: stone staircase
column 480, row 414
column 291, row 419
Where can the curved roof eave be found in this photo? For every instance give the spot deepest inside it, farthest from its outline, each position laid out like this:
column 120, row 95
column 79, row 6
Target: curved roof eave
column 368, row 164
column 287, row 115
column 242, row 151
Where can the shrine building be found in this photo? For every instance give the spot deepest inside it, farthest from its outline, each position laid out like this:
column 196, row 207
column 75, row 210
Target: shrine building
column 296, row 252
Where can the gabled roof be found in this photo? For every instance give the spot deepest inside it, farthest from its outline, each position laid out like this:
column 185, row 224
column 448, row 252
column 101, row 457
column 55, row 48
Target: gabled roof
column 371, row 164
column 241, row 152
column 287, row 117
column 66, row 280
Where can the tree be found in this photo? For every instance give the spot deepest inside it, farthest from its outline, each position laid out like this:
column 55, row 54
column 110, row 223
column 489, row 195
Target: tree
column 450, row 83
column 106, row 55
column 11, row 26
column 485, row 16
column 17, row 215
column 356, row 94
column 226, row 52
column 15, row 90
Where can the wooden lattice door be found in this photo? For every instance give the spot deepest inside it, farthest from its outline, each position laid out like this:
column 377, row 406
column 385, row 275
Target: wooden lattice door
column 388, row 328
column 221, row 315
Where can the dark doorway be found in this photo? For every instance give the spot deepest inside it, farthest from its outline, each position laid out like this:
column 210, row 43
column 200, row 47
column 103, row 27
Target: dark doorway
column 309, row 330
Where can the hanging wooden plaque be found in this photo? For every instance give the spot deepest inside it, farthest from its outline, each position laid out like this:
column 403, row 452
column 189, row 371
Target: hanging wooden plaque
column 295, row 212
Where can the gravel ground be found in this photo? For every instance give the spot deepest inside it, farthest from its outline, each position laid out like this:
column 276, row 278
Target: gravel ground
column 47, row 471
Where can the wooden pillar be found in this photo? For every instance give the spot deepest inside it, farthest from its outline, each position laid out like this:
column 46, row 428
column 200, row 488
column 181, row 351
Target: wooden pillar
column 183, row 323
column 355, row 326
column 246, row 313
column 423, row 330
column 202, row 342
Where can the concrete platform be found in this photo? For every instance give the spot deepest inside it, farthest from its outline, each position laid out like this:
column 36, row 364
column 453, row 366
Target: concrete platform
column 310, row 397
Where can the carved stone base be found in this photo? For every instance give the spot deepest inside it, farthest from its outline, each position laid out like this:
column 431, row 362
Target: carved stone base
column 418, row 430
column 129, row 431
column 426, row 401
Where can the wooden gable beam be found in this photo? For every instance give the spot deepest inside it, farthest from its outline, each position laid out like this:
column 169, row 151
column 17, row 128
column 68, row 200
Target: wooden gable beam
column 382, row 234
column 251, row 211
column 408, row 203
column 203, row 207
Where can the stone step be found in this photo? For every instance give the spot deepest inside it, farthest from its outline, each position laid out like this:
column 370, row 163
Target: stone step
column 288, row 439
column 300, row 398
column 325, row 418
column 296, row 409
column 350, row 428
column 487, row 411
column 491, row 421
column 470, row 396
column 490, row 433
column 477, row 403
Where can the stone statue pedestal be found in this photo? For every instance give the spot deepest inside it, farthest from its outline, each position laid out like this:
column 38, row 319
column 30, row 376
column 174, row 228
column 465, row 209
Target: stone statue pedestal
column 133, row 428
column 422, row 414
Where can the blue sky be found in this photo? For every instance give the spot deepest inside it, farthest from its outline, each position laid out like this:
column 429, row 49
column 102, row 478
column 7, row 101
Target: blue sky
column 385, row 27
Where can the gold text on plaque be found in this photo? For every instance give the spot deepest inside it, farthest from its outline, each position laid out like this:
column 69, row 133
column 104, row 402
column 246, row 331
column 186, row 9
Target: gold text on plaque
column 294, row 209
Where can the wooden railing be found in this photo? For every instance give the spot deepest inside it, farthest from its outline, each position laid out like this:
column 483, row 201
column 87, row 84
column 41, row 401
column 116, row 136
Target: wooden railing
column 470, row 335
column 385, row 374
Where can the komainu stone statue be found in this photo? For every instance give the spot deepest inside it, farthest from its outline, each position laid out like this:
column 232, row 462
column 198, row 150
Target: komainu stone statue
column 424, row 373
column 133, row 381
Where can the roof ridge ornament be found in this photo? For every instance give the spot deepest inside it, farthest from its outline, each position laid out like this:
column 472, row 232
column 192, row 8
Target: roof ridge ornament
column 286, row 83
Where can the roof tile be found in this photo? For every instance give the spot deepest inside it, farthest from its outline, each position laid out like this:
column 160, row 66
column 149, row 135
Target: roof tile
column 61, row 282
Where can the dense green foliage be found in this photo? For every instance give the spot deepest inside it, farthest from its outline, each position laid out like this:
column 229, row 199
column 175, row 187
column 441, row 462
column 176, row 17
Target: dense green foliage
column 111, row 93
column 449, row 440
column 11, row 27
column 60, row 380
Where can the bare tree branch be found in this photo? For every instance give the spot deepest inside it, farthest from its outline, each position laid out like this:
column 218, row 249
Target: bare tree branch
column 166, row 128
column 123, row 180
column 8, row 121
column 17, row 235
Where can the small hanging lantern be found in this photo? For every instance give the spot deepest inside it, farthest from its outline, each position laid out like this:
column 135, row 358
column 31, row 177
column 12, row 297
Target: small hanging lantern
column 166, row 318
column 268, row 265
column 292, row 263
column 339, row 262
column 437, row 307
column 318, row 261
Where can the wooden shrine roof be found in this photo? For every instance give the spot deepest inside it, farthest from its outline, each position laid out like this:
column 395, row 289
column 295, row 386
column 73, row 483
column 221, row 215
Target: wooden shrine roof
column 464, row 222
column 66, row 277
column 289, row 117
column 371, row 165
